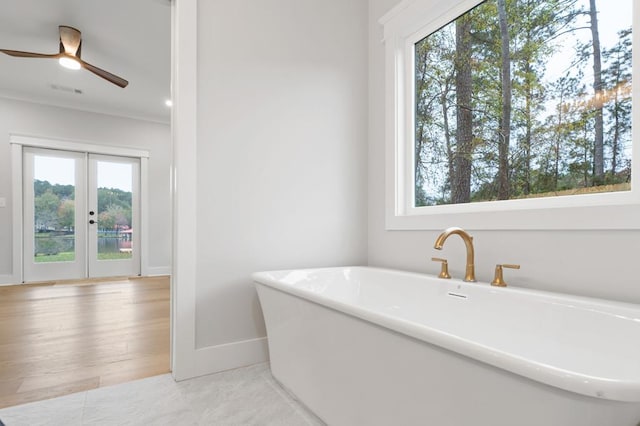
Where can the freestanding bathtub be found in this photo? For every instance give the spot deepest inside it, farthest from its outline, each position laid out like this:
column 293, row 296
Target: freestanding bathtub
column 366, row 346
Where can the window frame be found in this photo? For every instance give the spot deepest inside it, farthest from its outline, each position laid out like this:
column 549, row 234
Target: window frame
column 409, row 22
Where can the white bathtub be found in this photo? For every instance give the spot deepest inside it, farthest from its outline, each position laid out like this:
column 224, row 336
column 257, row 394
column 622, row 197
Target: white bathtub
column 366, row 346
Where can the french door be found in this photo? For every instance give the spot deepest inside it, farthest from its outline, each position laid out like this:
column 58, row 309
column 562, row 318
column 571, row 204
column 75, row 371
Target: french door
column 81, row 215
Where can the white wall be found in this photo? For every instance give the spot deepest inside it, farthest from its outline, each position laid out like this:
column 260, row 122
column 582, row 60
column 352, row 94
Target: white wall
column 61, row 123
column 592, row 263
column 281, row 145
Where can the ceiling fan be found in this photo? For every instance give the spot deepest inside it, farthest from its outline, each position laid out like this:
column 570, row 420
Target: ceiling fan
column 69, row 56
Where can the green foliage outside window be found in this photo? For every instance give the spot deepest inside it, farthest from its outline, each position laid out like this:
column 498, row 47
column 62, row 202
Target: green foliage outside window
column 524, row 98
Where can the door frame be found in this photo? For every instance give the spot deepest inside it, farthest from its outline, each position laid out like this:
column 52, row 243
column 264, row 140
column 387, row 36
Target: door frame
column 18, row 141
column 184, row 82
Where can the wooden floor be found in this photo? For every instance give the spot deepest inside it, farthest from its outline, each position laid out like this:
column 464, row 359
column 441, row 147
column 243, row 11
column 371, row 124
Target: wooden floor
column 57, row 339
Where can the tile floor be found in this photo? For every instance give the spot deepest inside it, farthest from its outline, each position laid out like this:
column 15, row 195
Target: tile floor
column 246, row 396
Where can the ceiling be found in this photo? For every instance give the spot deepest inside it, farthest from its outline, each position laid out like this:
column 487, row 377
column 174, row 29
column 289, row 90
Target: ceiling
column 129, row 38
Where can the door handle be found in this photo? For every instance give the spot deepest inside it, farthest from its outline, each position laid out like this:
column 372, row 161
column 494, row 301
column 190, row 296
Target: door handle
column 91, row 222
column 91, row 213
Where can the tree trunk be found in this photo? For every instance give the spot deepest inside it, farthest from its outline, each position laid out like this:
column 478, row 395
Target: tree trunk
column 526, row 186
column 418, row 169
column 504, row 132
column 598, row 153
column 447, row 134
column 461, row 184
column 616, row 123
column 556, row 164
column 586, row 158
column 616, row 136
column 557, row 142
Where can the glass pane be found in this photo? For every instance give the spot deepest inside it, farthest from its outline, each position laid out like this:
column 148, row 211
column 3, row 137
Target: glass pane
column 524, row 99
column 54, row 209
column 115, row 181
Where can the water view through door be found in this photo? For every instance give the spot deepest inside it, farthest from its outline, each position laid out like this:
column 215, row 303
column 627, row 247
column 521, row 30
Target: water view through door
column 81, row 215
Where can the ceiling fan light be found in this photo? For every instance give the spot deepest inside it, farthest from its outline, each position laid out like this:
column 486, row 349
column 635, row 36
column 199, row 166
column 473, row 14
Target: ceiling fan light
column 70, row 63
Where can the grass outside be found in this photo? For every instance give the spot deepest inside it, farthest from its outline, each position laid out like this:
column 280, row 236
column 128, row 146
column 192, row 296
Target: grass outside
column 113, row 256
column 588, row 190
column 60, row 257
column 70, row 257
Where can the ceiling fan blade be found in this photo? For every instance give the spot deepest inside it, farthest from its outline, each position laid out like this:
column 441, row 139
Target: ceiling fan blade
column 70, row 39
column 21, row 54
column 118, row 81
column 70, row 45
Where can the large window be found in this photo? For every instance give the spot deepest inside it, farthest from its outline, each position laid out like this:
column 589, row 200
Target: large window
column 517, row 107
column 524, row 98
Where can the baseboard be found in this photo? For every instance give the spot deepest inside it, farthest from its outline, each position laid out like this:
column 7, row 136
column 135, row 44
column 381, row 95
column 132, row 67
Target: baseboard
column 8, row 280
column 214, row 359
column 158, row 270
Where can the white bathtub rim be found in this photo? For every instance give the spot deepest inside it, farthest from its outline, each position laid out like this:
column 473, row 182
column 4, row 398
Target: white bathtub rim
column 597, row 387
column 263, row 278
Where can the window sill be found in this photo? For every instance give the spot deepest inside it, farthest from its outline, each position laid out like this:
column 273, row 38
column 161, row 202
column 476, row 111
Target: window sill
column 614, row 211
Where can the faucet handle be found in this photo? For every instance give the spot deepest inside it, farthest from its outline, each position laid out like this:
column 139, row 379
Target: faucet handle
column 498, row 280
column 444, row 269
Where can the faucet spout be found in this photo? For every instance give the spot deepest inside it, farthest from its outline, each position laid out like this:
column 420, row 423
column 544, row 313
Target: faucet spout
column 470, row 273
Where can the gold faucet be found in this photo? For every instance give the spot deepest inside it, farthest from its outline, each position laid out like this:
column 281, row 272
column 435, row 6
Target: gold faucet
column 444, row 267
column 498, row 279
column 470, row 274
